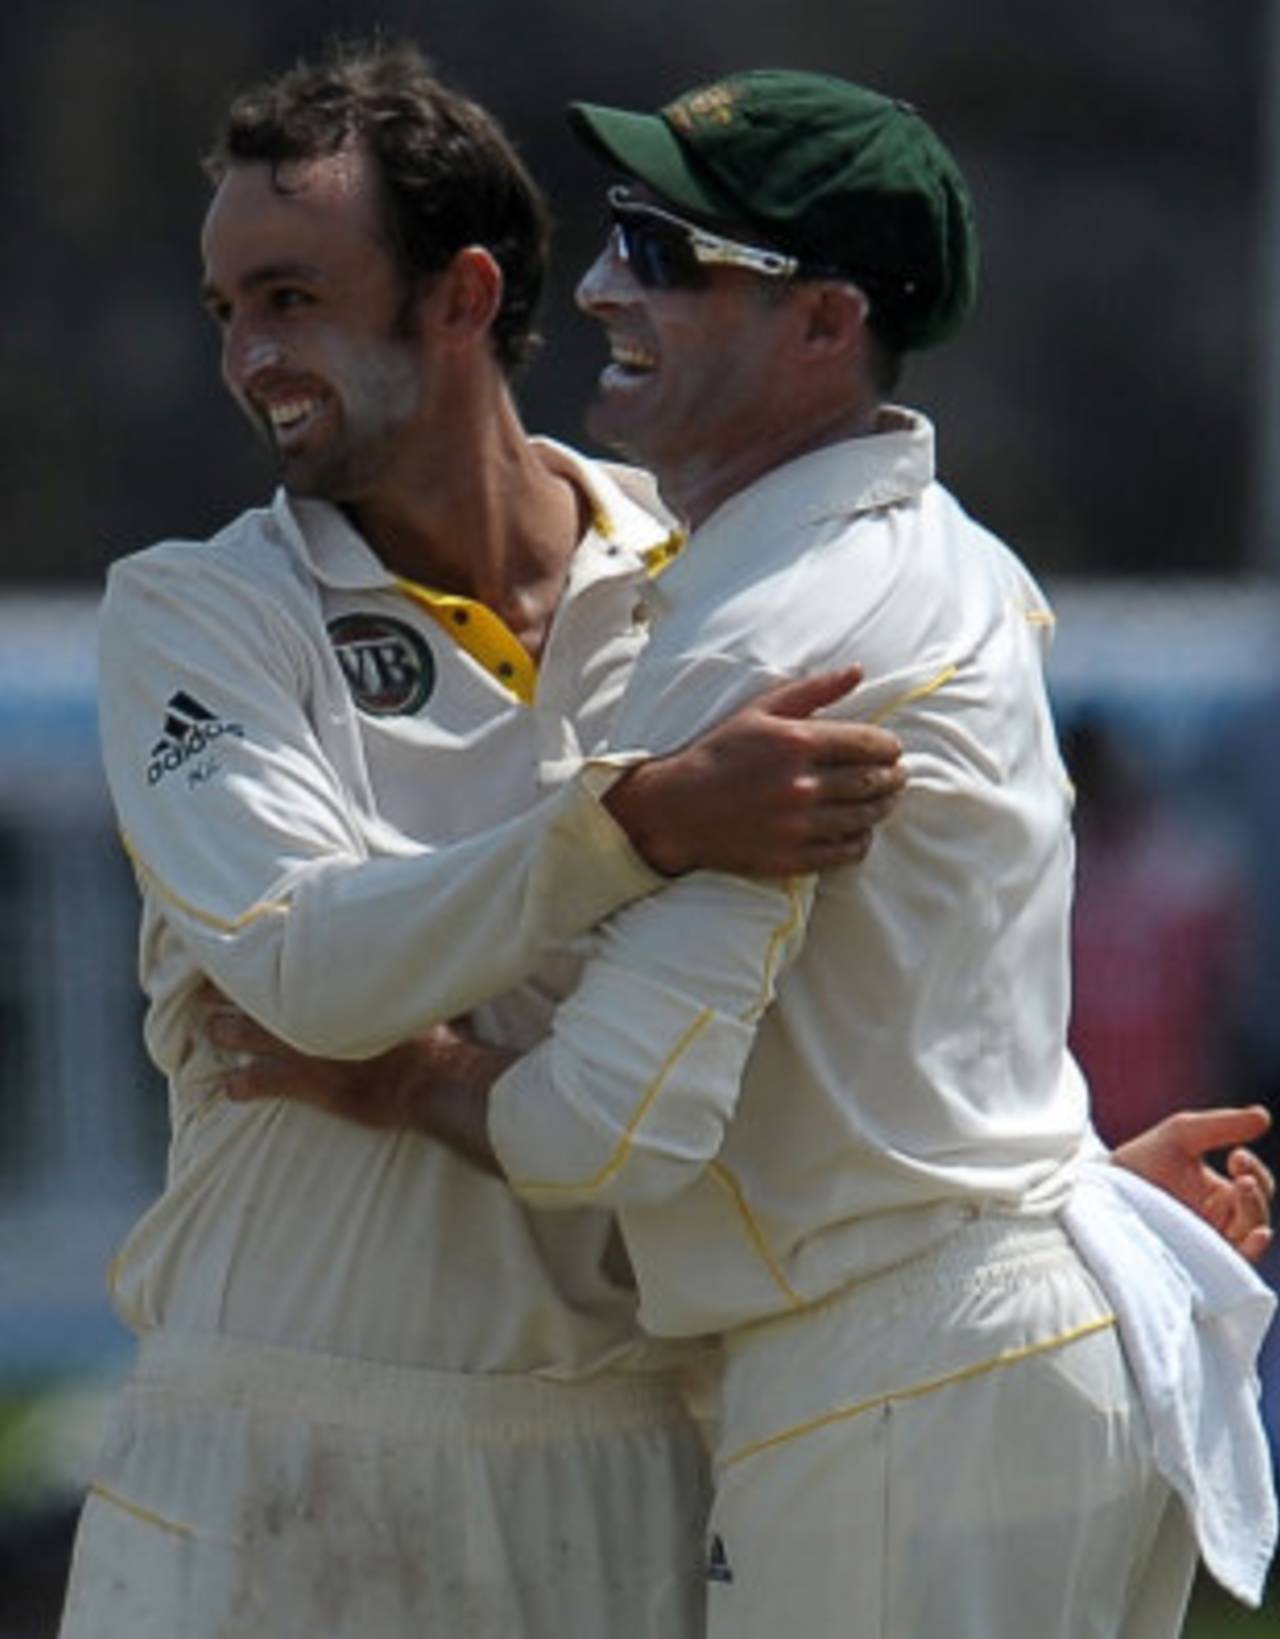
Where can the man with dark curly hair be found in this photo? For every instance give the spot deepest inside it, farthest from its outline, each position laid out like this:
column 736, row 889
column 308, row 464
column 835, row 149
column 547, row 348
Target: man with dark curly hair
column 374, row 1393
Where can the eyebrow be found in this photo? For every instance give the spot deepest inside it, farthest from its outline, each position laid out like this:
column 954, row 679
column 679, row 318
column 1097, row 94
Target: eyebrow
column 269, row 273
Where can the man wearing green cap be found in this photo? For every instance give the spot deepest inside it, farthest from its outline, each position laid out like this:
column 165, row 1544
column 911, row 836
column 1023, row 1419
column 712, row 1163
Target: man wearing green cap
column 838, row 1121
column 838, row 1126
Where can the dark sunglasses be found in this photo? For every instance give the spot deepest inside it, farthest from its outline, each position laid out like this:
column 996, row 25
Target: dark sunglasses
column 667, row 253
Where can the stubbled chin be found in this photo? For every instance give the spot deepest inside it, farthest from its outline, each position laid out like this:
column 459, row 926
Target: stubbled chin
column 607, row 418
column 295, row 440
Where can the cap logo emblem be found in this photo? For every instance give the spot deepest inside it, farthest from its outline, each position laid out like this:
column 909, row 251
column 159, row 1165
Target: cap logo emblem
column 713, row 105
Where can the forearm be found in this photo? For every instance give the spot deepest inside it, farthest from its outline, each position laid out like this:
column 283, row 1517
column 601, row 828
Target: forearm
column 450, row 1101
column 436, row 1084
column 358, row 954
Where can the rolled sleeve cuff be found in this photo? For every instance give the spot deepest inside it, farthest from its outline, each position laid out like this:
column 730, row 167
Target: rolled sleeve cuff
column 602, row 834
column 627, row 1102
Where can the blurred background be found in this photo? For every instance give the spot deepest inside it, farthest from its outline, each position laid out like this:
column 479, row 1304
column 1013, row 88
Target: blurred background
column 1113, row 411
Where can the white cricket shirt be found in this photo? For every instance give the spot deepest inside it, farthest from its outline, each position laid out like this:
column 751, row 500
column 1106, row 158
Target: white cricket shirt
column 782, row 1090
column 302, row 751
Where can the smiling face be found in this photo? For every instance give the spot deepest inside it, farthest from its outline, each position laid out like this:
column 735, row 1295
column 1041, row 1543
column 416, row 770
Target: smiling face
column 703, row 386
column 310, row 306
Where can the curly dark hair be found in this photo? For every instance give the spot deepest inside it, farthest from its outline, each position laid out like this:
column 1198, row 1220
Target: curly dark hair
column 449, row 175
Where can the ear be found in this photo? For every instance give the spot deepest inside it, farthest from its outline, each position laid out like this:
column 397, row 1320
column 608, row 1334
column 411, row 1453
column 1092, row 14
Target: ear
column 467, row 296
column 835, row 317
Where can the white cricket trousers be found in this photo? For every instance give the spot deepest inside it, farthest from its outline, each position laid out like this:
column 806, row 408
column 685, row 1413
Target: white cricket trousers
column 247, row 1492
column 952, row 1450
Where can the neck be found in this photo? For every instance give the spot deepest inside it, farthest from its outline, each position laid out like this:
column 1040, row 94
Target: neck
column 484, row 513
column 698, row 488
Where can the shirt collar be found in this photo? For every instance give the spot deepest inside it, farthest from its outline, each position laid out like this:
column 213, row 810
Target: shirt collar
column 838, row 481
column 336, row 554
column 631, row 529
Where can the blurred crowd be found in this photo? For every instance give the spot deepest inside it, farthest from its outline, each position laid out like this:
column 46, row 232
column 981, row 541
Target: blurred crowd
column 1099, row 413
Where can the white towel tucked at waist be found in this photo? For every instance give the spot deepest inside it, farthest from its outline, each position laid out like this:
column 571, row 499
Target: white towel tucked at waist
column 1192, row 1315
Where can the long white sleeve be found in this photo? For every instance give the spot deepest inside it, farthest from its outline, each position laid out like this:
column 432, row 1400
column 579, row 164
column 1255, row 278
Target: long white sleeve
column 629, row 1097
column 223, row 730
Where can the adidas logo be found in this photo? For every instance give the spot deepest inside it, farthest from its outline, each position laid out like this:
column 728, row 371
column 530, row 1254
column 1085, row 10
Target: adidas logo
column 189, row 729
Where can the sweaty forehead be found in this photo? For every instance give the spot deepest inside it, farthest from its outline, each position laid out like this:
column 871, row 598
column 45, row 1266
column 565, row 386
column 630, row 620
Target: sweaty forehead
column 328, row 195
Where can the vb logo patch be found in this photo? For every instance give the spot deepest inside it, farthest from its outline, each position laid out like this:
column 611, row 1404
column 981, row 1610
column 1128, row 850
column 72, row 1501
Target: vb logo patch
column 388, row 666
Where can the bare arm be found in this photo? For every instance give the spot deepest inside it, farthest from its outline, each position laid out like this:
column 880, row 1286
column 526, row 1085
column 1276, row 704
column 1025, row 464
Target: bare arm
column 437, row 1083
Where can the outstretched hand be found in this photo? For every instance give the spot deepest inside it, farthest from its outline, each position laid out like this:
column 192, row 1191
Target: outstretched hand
column 1174, row 1155
column 773, row 790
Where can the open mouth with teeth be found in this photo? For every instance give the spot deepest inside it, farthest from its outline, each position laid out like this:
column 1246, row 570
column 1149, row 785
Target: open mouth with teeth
column 629, row 359
column 289, row 416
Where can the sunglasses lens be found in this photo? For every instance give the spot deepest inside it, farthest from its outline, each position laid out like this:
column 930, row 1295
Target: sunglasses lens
column 659, row 253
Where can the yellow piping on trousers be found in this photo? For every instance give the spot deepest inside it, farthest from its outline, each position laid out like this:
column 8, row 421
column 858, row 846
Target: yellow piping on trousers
column 842, row 1414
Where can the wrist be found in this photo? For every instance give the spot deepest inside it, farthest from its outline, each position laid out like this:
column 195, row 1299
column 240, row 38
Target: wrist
column 639, row 803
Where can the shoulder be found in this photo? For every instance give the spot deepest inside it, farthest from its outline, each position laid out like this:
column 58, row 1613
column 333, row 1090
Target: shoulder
column 241, row 599
column 249, row 564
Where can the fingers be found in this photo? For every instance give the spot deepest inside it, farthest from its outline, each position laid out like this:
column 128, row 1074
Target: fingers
column 832, row 741
column 1255, row 1246
column 835, row 847
column 1202, row 1130
column 256, row 1064
column 1249, row 1190
column 1249, row 1230
column 852, row 784
column 824, row 837
column 257, row 1078
column 1246, row 1167
column 810, row 694
column 849, row 826
column 831, row 856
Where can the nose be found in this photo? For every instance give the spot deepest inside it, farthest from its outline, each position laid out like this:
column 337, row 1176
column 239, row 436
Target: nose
column 247, row 351
column 607, row 282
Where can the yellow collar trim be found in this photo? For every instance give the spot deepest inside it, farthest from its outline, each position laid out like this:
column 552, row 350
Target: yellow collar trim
column 660, row 557
column 485, row 636
column 655, row 558
column 488, row 639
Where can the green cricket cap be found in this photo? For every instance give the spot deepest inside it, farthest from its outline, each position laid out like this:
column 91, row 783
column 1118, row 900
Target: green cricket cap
column 843, row 178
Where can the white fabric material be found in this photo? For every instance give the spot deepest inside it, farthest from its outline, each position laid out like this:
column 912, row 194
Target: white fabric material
column 321, row 862
column 913, row 1059
column 954, row 1450
column 251, row 1493
column 1192, row 1315
column 326, row 824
